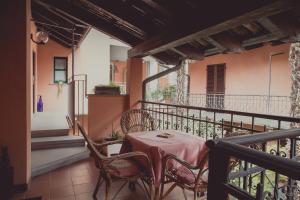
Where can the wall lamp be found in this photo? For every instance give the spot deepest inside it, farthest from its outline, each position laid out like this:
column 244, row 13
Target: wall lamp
column 42, row 37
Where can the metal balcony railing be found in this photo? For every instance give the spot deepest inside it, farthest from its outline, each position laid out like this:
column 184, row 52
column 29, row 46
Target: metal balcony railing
column 264, row 104
column 269, row 173
column 264, row 160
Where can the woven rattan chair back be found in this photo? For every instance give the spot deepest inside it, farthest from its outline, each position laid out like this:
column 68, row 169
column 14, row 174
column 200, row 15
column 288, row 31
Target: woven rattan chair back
column 137, row 120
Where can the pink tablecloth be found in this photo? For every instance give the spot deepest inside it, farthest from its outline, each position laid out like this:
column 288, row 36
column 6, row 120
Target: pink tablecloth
column 189, row 148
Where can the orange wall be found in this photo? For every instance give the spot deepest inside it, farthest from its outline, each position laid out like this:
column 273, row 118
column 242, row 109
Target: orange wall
column 135, row 77
column 45, row 86
column 15, row 83
column 247, row 72
column 120, row 71
column 104, row 112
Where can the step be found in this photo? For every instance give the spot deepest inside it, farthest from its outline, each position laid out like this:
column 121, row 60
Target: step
column 49, row 133
column 49, row 121
column 43, row 161
column 57, row 142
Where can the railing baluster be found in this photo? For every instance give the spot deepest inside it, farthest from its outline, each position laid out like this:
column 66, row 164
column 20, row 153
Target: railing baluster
column 187, row 120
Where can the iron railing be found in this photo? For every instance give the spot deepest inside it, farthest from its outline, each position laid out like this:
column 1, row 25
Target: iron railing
column 264, row 104
column 78, row 100
column 215, row 124
column 271, row 172
column 211, row 123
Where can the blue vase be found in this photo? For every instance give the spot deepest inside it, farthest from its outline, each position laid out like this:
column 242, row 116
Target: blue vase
column 40, row 105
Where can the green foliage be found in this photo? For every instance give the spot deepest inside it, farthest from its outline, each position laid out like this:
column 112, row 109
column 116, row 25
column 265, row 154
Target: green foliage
column 157, row 94
column 111, row 84
column 169, row 92
column 116, row 135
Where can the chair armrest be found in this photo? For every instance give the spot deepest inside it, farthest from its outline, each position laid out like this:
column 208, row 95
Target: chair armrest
column 182, row 162
column 108, row 160
column 104, row 144
column 129, row 155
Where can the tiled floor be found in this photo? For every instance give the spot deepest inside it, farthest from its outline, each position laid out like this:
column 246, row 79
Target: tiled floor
column 76, row 182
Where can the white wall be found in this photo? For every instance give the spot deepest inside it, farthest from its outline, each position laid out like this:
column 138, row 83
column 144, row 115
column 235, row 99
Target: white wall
column 93, row 58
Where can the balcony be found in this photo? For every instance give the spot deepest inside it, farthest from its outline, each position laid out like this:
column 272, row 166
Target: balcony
column 263, row 104
column 249, row 178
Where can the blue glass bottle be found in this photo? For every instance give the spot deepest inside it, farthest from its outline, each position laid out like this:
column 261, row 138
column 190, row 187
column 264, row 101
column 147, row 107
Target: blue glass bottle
column 40, row 104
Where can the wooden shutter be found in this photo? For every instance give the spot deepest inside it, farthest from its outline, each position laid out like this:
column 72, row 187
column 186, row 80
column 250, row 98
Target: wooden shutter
column 220, row 87
column 210, row 79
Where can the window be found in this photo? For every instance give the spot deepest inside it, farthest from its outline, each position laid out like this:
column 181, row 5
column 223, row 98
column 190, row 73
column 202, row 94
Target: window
column 215, row 86
column 60, row 69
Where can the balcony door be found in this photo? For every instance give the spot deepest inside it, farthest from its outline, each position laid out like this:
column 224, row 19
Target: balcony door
column 215, row 87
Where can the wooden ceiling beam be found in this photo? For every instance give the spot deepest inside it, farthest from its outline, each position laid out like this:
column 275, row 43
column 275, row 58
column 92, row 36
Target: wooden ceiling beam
column 48, row 15
column 158, row 8
column 59, row 40
column 191, row 52
column 230, row 43
column 260, row 39
column 166, row 58
column 271, row 27
column 181, row 34
column 215, row 43
column 289, row 25
column 90, row 19
column 37, row 6
column 59, row 34
column 45, row 20
column 122, row 12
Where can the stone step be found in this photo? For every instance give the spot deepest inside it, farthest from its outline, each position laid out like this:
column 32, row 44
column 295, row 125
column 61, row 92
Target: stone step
column 49, row 133
column 43, row 161
column 57, row 142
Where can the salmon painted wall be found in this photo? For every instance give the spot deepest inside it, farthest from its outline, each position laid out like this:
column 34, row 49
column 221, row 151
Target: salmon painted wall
column 120, row 71
column 247, row 72
column 16, row 86
column 104, row 113
column 33, row 47
column 45, row 78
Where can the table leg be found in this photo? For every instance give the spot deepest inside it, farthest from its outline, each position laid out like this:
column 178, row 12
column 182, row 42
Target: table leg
column 156, row 194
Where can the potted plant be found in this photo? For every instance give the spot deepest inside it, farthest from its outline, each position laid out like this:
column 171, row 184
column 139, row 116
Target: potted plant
column 111, row 89
column 114, row 135
column 169, row 93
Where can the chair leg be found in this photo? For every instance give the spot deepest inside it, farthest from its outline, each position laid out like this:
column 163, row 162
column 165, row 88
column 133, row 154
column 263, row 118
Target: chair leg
column 161, row 190
column 97, row 186
column 184, row 194
column 196, row 194
column 151, row 191
column 168, row 191
column 107, row 190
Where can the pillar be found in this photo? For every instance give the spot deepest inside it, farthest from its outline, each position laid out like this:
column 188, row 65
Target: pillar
column 135, row 75
column 15, row 86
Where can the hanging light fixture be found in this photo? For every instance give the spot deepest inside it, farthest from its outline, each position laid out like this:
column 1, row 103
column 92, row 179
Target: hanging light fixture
column 42, row 37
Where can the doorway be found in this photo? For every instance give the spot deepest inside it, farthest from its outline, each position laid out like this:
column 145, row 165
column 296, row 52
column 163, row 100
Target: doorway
column 215, row 87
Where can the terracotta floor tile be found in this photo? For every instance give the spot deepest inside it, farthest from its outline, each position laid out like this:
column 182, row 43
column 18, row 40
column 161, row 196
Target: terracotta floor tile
column 84, row 188
column 42, row 178
column 80, row 186
column 83, row 179
column 65, row 198
column 80, row 172
column 87, row 196
column 60, row 182
column 61, row 192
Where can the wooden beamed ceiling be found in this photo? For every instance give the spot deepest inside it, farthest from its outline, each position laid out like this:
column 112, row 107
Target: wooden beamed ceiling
column 171, row 30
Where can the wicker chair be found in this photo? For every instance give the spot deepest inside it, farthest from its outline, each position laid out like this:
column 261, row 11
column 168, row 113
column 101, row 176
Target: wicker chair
column 119, row 167
column 187, row 177
column 137, row 120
